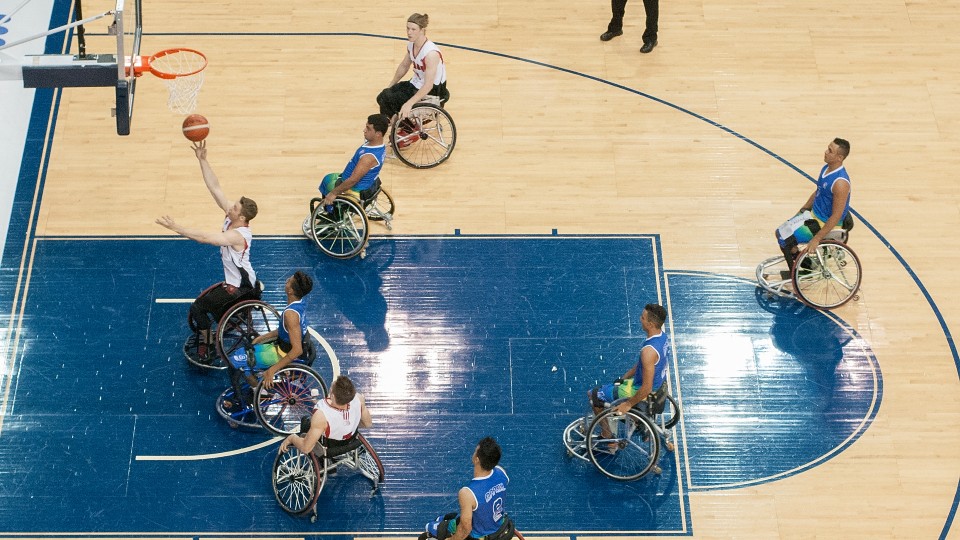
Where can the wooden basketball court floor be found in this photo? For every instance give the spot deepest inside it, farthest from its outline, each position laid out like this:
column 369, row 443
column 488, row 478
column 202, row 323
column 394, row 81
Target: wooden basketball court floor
column 707, row 142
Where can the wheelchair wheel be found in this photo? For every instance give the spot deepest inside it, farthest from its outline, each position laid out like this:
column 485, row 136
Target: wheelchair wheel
column 297, row 480
column 425, row 139
column 575, row 438
column 341, row 233
column 369, row 462
column 296, row 391
column 623, row 447
column 829, row 278
column 190, row 353
column 242, row 323
column 670, row 415
column 381, row 208
column 235, row 411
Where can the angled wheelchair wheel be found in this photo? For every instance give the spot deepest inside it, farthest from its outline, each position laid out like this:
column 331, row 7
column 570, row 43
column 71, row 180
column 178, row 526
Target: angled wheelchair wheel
column 342, row 232
column 369, row 462
column 297, row 480
column 236, row 412
column 670, row 415
column 242, row 323
column 575, row 438
column 296, row 391
column 623, row 446
column 425, row 139
column 829, row 278
column 381, row 208
column 190, row 352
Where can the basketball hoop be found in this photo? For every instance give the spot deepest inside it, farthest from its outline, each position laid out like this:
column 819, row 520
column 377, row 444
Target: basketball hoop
column 181, row 70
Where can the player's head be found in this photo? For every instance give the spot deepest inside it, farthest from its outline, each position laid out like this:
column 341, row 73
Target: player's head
column 487, row 453
column 343, row 390
column 654, row 314
column 300, row 284
column 248, row 208
column 419, row 19
column 379, row 123
column 843, row 147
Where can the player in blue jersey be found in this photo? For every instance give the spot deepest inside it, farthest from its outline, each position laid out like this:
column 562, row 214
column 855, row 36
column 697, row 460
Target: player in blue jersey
column 482, row 514
column 361, row 172
column 278, row 348
column 824, row 210
column 651, row 367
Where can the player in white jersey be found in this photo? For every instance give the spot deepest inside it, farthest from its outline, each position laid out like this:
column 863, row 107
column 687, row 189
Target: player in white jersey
column 335, row 418
column 429, row 72
column 234, row 242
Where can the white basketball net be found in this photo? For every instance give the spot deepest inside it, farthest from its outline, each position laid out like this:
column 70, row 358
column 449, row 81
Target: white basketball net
column 186, row 68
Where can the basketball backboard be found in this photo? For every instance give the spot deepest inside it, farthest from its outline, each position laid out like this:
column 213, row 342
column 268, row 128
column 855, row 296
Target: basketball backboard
column 93, row 70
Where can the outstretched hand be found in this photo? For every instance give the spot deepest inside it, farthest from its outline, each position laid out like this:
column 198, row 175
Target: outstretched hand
column 200, row 149
column 167, row 222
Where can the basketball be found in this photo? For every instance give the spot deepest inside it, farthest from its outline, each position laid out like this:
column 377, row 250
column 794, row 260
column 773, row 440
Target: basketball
column 196, row 128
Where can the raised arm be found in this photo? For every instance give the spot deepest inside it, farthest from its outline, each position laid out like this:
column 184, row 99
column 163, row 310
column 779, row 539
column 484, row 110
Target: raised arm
column 210, row 178
column 229, row 237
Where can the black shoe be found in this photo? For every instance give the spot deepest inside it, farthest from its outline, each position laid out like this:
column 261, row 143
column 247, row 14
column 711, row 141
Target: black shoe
column 423, row 536
column 648, row 46
column 608, row 35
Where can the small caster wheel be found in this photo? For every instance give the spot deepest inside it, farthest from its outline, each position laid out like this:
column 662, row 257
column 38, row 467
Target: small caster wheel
column 234, row 425
column 670, row 447
column 656, row 470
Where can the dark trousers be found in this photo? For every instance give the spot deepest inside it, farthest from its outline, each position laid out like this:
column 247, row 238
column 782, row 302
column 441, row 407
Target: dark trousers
column 214, row 303
column 652, row 8
column 392, row 99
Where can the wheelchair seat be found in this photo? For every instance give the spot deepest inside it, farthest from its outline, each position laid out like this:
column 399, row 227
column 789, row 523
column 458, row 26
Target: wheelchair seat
column 369, row 194
column 841, row 234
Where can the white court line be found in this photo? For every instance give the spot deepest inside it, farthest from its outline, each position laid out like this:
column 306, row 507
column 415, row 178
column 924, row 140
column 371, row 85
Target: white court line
column 199, row 457
column 174, row 300
column 334, row 362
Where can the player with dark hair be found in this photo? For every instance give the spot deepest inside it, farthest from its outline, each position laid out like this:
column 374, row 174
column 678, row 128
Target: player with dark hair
column 290, row 338
column 824, row 210
column 651, row 367
column 364, row 167
column 482, row 512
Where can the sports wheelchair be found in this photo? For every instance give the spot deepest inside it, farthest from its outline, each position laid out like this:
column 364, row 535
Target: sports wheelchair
column 625, row 446
column 341, row 230
column 299, row 478
column 296, row 388
column 826, row 279
column 191, row 345
column 427, row 137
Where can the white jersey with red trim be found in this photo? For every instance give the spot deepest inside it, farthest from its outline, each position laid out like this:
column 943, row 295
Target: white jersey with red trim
column 237, row 270
column 341, row 424
column 420, row 64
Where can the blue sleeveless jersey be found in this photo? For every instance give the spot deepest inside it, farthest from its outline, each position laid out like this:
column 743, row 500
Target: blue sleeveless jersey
column 823, row 201
column 301, row 308
column 379, row 152
column 661, row 344
column 490, row 492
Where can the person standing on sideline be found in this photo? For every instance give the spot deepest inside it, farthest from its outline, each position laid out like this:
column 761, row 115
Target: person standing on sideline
column 615, row 28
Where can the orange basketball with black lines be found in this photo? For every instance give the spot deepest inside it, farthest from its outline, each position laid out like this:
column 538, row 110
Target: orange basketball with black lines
column 196, row 128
